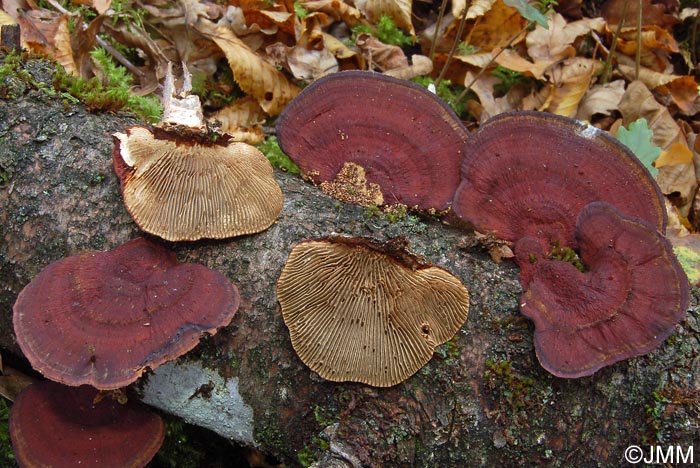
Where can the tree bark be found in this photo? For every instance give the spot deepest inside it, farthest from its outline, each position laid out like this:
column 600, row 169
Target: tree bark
column 483, row 400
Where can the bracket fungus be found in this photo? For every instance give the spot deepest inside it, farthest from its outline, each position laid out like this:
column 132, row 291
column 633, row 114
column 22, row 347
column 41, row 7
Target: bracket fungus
column 407, row 140
column 102, row 318
column 529, row 174
column 367, row 312
column 182, row 185
column 625, row 305
column 55, row 426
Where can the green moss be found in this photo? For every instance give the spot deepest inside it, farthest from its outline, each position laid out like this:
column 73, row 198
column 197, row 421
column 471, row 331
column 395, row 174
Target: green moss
column 512, row 391
column 111, row 93
column 7, row 457
column 446, row 91
column 271, row 149
column 177, row 451
column 386, row 31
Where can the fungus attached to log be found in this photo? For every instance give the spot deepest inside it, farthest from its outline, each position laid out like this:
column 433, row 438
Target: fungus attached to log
column 625, row 305
column 183, row 185
column 407, row 140
column 52, row 425
column 102, row 318
column 529, row 174
column 367, row 312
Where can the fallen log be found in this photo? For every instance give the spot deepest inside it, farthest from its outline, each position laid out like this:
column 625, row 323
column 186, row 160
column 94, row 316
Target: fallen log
column 483, row 399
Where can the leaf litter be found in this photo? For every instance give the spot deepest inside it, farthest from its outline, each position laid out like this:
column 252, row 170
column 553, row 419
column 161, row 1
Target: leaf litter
column 604, row 63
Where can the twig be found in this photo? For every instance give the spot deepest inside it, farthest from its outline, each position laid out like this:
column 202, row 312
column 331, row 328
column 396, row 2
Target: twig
column 638, row 55
column 460, row 30
column 438, row 23
column 607, row 67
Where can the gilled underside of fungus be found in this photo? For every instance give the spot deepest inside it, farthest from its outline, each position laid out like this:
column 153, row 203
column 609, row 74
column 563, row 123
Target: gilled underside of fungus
column 52, row 425
column 529, row 174
column 625, row 305
column 102, row 318
column 366, row 312
column 407, row 140
column 180, row 185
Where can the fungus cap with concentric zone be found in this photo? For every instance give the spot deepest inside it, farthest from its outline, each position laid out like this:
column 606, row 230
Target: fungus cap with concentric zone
column 56, row 426
column 626, row 304
column 406, row 139
column 102, row 318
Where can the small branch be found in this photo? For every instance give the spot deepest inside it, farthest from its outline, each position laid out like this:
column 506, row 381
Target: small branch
column 438, row 23
column 460, row 30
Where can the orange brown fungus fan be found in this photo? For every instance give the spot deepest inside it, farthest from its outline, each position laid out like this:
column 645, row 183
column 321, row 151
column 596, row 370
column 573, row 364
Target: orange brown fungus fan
column 407, row 140
column 625, row 305
column 367, row 312
column 55, row 426
column 181, row 184
column 102, row 318
column 529, row 174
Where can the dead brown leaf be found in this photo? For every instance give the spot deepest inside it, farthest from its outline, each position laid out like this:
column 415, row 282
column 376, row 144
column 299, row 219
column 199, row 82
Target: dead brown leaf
column 638, row 102
column 242, row 120
column 657, row 45
column 336, row 9
column 420, row 66
column 655, row 13
column 571, row 80
column 380, row 55
column 253, row 74
column 398, row 10
column 555, row 44
column 601, row 99
column 495, row 28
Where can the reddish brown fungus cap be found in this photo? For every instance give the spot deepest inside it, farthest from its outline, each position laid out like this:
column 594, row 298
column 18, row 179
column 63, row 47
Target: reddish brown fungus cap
column 183, row 185
column 625, row 305
column 529, row 174
column 407, row 140
column 367, row 312
column 55, row 426
column 102, row 318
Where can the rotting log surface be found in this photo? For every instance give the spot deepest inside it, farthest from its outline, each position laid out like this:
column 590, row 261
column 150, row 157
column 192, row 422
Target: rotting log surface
column 483, row 400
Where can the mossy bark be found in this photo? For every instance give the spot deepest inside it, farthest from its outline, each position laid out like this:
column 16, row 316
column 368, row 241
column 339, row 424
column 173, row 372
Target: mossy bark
column 483, row 400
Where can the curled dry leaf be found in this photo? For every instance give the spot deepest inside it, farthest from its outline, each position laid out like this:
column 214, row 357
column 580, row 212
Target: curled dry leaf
column 398, row 10
column 657, row 45
column 380, row 55
column 571, row 80
column 495, row 28
column 242, row 120
column 601, row 99
column 336, row 9
column 476, row 8
column 555, row 44
column 420, row 65
column 638, row 102
column 254, row 75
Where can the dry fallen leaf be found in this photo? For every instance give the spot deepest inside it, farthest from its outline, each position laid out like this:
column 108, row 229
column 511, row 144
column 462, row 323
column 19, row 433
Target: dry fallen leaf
column 601, row 99
column 254, row 75
column 242, row 120
column 398, row 10
column 571, row 80
column 638, row 102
